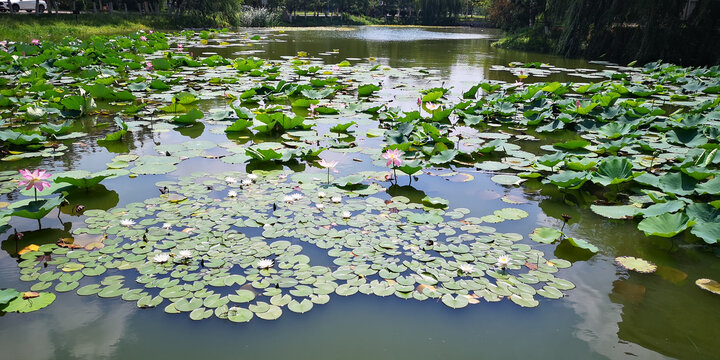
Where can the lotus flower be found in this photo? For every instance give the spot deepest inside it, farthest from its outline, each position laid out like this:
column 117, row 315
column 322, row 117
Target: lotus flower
column 319, row 206
column 393, row 157
column 503, row 261
column 296, row 196
column 419, row 102
column 35, row 42
column 336, row 199
column 321, row 194
column 166, row 226
column 150, row 32
column 346, row 214
column 232, row 193
column 518, row 84
column 143, row 38
column 252, row 177
column 149, row 66
column 467, row 268
column 161, row 258
column 265, row 264
column 312, row 108
column 288, row 198
column 180, row 46
column 230, row 180
column 327, row 164
column 184, row 254
column 246, row 182
column 127, row 222
column 336, row 68
column 432, row 106
column 35, row 179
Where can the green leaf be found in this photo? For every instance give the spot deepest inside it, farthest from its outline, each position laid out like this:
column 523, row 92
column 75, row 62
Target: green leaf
column 367, row 89
column 582, row 244
column 190, row 118
column 665, row 225
column 238, row 126
column 34, row 209
column 545, row 235
column 6, row 295
column 28, row 305
column 612, row 171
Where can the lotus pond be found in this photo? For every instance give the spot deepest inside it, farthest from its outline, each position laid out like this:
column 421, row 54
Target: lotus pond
column 364, row 192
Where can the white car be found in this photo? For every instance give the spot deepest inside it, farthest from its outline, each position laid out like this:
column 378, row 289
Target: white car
column 27, row 5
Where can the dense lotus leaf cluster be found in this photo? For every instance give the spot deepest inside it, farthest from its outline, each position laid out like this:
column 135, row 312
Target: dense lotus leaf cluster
column 647, row 134
column 645, row 139
column 213, row 246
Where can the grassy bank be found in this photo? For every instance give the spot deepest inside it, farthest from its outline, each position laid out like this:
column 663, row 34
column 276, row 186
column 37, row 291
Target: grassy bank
column 55, row 27
column 25, row 27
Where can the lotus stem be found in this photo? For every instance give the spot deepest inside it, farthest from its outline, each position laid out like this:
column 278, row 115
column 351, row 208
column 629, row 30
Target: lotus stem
column 35, row 193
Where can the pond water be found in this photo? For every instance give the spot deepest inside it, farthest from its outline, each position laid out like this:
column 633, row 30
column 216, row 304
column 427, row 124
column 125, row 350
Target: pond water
column 611, row 313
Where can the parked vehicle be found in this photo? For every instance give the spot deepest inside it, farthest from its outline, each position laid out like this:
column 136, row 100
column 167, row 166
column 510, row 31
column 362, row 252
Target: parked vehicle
column 27, row 5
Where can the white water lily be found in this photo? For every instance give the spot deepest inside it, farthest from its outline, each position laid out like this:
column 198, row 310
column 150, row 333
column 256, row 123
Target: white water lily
column 230, row 180
column 321, row 194
column 127, row 222
column 288, row 199
column 336, row 199
column 246, row 182
column 265, row 264
column 296, row 196
column 167, row 226
column 185, row 254
column 467, row 268
column 252, row 177
column 346, row 214
column 161, row 258
column 232, row 193
column 503, row 261
column 464, row 132
column 319, row 206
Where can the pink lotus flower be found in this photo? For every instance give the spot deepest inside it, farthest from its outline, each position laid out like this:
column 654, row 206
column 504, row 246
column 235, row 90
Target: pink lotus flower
column 336, row 68
column 35, row 42
column 577, row 104
column 149, row 66
column 143, row 38
column 432, row 106
column 393, row 157
column 35, row 179
column 150, row 32
column 313, row 107
column 518, row 84
column 419, row 102
column 180, row 46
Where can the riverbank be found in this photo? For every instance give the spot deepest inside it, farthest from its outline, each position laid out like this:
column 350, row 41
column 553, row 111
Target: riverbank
column 55, row 27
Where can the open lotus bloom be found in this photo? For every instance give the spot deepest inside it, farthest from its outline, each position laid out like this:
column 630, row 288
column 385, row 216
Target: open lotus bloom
column 35, row 179
column 393, row 157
